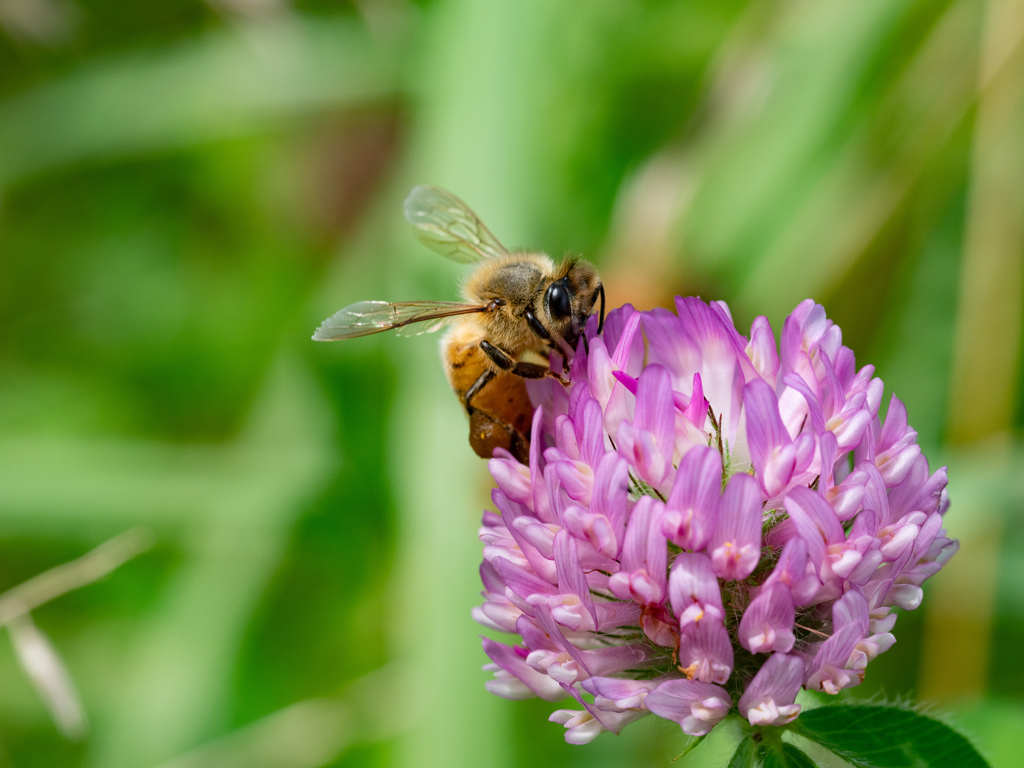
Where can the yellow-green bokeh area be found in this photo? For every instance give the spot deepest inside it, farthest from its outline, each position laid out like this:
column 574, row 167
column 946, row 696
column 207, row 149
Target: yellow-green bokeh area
column 188, row 188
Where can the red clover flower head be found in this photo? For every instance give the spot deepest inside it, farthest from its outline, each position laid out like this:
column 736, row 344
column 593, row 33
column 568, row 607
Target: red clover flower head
column 707, row 523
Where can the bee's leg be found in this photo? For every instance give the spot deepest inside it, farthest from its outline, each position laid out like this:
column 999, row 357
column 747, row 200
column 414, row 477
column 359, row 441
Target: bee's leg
column 552, row 347
column 541, row 332
column 536, row 326
column 506, row 362
column 479, row 384
column 600, row 320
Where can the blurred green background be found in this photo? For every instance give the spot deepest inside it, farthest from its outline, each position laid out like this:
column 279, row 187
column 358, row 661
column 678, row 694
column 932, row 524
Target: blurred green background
column 187, row 188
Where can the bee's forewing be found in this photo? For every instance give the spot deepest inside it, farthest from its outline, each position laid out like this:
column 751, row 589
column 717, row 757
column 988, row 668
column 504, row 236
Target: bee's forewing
column 445, row 224
column 366, row 317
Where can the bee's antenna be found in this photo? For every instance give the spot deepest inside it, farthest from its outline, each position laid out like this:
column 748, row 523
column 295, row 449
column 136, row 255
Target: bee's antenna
column 600, row 322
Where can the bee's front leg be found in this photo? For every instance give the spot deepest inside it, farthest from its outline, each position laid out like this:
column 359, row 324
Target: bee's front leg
column 506, row 362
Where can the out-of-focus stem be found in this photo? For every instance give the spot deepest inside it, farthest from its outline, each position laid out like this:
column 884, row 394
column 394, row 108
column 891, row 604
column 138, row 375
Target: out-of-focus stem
column 69, row 576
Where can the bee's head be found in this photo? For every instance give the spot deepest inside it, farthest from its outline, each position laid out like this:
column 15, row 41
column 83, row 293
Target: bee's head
column 570, row 298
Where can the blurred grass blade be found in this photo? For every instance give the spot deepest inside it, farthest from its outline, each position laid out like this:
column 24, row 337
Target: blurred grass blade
column 180, row 672
column 49, row 676
column 307, row 734
column 222, row 85
column 310, row 733
column 984, row 386
column 991, row 303
column 854, row 194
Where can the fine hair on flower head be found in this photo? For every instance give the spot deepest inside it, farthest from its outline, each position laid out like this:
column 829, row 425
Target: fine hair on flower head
column 708, row 523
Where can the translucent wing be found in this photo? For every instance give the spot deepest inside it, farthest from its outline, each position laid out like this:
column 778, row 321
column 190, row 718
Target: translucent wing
column 366, row 317
column 445, row 224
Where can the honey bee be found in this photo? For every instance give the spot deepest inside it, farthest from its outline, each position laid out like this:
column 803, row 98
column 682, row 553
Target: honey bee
column 515, row 303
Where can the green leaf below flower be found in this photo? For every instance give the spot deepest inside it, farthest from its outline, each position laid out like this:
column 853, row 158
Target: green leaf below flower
column 785, row 755
column 745, row 754
column 885, row 737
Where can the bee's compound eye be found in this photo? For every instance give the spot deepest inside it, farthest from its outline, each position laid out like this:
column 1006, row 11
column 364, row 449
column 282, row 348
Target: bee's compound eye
column 558, row 300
